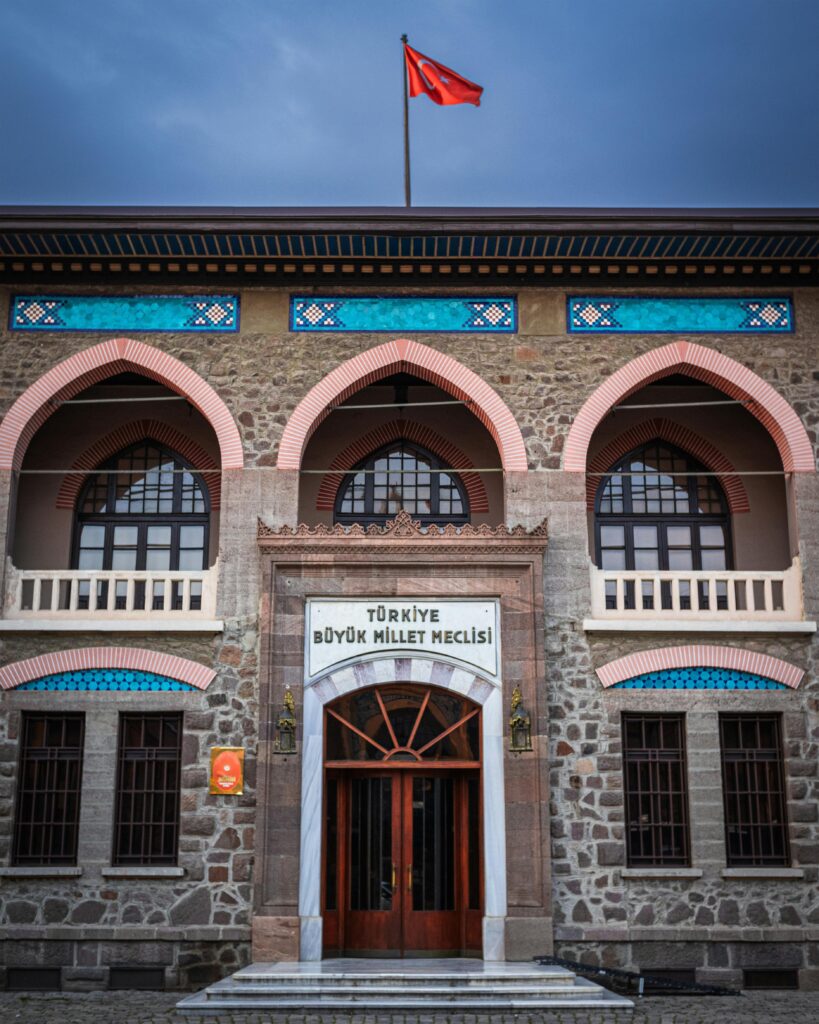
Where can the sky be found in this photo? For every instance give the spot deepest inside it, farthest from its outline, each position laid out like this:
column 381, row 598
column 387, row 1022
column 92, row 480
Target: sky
column 299, row 103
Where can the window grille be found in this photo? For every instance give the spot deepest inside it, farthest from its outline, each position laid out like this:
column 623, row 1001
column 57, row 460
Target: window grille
column 756, row 823
column 656, row 791
column 148, row 781
column 400, row 477
column 48, row 791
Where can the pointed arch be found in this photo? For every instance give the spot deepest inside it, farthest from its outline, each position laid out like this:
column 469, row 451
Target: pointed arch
column 403, row 356
column 133, row 433
column 136, row 658
column 409, row 431
column 120, row 355
column 700, row 656
column 711, row 367
column 676, row 434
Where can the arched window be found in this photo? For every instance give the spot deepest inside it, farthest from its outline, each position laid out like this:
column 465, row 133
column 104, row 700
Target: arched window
column 401, row 476
column 656, row 512
column 143, row 510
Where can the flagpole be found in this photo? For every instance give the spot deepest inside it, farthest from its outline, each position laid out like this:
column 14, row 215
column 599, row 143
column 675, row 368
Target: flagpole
column 407, row 180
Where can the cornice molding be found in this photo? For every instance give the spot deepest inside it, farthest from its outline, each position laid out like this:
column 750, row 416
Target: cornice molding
column 404, row 531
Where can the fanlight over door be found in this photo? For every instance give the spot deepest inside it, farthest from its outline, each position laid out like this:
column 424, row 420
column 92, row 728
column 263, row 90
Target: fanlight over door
column 402, row 830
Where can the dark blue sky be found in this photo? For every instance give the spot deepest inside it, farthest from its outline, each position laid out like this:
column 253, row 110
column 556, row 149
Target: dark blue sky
column 280, row 102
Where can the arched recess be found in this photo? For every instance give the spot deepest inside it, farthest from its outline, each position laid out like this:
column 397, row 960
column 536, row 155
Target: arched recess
column 409, row 431
column 704, row 655
column 131, row 433
column 386, row 670
column 120, row 355
column 403, row 356
column 676, row 434
column 136, row 658
column 711, row 367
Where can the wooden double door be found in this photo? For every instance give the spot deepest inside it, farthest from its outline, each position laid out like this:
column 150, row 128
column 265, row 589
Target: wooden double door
column 402, row 865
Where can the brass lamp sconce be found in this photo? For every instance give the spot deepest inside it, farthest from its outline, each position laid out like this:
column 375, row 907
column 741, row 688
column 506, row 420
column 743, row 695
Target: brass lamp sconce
column 520, row 724
column 286, row 726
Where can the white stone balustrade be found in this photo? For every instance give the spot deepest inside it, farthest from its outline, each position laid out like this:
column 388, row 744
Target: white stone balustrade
column 685, row 596
column 114, row 595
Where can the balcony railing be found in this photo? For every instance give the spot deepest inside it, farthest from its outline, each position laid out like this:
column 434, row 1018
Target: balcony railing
column 55, row 594
column 689, row 596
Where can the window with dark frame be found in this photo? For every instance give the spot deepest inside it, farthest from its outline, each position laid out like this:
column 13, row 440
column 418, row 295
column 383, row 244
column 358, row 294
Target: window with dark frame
column 654, row 511
column 47, row 813
column 149, row 761
column 401, row 476
column 656, row 790
column 753, row 789
column 142, row 510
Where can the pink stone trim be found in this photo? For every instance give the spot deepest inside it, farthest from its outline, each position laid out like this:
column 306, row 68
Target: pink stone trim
column 181, row 669
column 409, row 431
column 676, row 434
column 132, row 433
column 700, row 655
column 95, row 364
column 711, row 367
column 408, row 357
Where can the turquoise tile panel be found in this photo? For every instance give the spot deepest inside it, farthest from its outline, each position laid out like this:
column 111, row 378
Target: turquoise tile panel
column 608, row 314
column 403, row 313
column 699, row 679
column 125, row 313
column 108, row 679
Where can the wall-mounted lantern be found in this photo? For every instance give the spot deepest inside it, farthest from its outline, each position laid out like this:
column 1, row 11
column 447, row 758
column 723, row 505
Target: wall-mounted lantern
column 286, row 726
column 520, row 724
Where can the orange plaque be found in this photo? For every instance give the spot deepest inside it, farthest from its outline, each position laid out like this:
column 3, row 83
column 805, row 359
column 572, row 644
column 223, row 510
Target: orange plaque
column 227, row 770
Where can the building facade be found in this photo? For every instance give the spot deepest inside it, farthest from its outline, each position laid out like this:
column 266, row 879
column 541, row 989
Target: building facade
column 408, row 582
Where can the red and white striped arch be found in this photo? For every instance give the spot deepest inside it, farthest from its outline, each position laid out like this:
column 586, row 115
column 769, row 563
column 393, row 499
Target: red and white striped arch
column 95, row 364
column 135, row 658
column 676, row 434
column 408, row 431
column 700, row 656
column 403, row 356
column 132, row 433
column 711, row 367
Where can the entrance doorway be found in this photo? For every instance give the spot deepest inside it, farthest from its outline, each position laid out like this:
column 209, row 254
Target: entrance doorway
column 402, row 826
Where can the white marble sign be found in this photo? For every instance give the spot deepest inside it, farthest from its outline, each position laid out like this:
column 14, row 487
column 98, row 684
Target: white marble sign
column 343, row 630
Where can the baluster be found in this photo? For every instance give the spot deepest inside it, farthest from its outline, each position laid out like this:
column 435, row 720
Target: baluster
column 93, row 593
column 620, row 590
column 36, row 592
column 166, row 595
column 675, row 593
column 130, row 594
column 751, row 595
column 768, row 592
column 730, row 588
column 186, row 594
column 55, row 594
column 74, row 594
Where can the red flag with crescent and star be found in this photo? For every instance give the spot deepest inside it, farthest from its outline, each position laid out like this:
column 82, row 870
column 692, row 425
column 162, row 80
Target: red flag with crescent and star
column 443, row 85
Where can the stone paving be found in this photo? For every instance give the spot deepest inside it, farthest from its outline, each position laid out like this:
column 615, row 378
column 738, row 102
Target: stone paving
column 158, row 1008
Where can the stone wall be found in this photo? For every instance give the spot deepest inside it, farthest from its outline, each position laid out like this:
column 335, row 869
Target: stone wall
column 198, row 926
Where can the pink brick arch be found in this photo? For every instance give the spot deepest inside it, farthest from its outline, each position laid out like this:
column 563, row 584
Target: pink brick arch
column 700, row 656
column 676, row 434
column 403, row 356
column 711, row 367
column 95, row 364
column 132, row 433
column 181, row 669
column 408, row 431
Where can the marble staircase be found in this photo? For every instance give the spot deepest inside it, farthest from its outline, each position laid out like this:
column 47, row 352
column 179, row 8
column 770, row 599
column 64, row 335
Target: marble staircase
column 365, row 986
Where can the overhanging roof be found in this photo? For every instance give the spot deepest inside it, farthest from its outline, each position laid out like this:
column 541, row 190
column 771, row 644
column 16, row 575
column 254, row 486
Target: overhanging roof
column 156, row 238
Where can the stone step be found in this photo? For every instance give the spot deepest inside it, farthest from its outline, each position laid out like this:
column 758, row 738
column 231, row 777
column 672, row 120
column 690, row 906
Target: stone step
column 392, row 985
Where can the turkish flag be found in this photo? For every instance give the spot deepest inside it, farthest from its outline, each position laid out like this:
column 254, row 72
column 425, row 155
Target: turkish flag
column 443, row 86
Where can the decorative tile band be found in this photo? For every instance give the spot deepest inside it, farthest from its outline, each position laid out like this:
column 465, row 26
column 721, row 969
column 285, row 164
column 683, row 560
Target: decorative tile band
column 613, row 314
column 403, row 313
column 125, row 313
column 115, row 679
column 699, row 679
